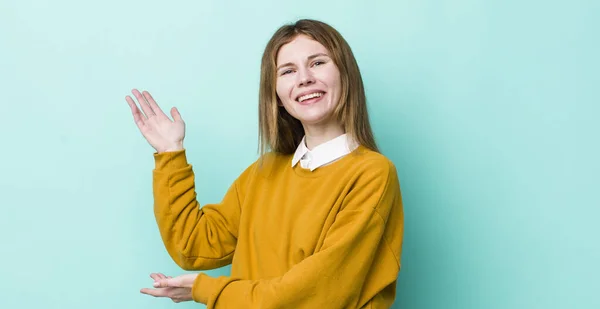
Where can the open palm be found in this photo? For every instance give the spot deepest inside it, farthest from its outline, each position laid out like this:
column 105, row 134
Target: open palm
column 160, row 131
column 178, row 289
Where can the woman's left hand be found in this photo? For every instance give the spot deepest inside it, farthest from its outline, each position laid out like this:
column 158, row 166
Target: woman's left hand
column 178, row 289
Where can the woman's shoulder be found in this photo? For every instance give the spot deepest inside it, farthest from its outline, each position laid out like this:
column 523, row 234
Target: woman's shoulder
column 366, row 158
column 371, row 168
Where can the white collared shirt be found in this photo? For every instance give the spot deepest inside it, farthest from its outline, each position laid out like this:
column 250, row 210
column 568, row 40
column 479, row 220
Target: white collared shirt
column 324, row 153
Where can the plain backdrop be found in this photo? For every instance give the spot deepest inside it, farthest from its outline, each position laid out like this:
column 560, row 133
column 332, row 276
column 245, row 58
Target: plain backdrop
column 488, row 108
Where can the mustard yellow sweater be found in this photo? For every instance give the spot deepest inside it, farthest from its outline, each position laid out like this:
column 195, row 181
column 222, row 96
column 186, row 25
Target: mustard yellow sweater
column 325, row 239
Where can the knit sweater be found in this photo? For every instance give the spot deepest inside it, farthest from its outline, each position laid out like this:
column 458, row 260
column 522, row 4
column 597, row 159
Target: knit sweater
column 295, row 238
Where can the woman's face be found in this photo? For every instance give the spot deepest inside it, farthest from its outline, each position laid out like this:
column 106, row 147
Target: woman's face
column 308, row 82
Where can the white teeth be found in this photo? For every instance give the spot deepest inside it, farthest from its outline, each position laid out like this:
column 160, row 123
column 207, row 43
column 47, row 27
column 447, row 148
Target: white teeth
column 310, row 96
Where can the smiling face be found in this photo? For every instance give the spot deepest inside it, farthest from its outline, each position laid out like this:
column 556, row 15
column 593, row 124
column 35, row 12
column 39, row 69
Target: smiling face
column 308, row 82
column 303, row 57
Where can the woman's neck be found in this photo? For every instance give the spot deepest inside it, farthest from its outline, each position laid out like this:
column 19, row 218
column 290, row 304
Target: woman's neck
column 317, row 135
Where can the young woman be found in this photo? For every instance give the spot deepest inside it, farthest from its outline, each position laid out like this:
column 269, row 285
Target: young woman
column 316, row 221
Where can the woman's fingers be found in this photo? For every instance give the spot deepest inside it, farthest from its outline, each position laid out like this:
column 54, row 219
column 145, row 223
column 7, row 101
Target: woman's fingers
column 138, row 117
column 155, row 292
column 157, row 276
column 143, row 103
column 155, row 108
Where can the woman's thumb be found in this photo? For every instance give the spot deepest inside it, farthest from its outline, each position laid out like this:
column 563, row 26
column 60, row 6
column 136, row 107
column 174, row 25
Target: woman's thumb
column 175, row 114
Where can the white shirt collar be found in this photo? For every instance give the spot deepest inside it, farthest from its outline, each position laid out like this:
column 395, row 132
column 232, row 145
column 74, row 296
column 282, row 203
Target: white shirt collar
column 324, row 153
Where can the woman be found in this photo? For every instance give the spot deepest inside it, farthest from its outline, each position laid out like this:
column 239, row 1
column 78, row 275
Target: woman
column 316, row 222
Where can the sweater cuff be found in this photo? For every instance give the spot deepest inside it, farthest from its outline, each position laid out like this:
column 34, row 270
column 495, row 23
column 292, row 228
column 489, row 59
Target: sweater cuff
column 204, row 287
column 170, row 160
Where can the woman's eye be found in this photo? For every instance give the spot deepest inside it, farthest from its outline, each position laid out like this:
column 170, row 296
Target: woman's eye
column 286, row 72
column 319, row 62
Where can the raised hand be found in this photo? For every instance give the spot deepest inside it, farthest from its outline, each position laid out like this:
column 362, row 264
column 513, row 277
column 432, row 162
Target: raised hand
column 160, row 131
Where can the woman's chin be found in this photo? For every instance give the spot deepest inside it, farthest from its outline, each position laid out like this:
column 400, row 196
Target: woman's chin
column 314, row 120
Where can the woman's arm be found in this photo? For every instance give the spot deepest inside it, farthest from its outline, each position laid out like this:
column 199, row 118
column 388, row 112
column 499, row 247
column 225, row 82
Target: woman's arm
column 196, row 238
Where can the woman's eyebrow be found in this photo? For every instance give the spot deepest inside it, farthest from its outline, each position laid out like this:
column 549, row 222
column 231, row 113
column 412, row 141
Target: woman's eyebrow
column 317, row 55
column 309, row 58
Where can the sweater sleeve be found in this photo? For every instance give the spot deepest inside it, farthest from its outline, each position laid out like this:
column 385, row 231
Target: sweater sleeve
column 333, row 277
column 196, row 238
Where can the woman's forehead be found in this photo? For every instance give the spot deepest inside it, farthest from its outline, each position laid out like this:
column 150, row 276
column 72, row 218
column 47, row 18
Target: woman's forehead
column 299, row 49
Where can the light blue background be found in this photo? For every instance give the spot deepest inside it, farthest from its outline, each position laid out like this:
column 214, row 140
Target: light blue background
column 489, row 109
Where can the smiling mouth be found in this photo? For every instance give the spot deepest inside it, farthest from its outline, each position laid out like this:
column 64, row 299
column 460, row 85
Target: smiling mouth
column 309, row 96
